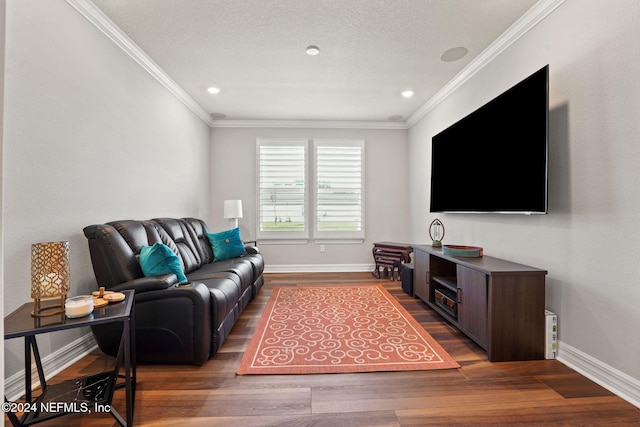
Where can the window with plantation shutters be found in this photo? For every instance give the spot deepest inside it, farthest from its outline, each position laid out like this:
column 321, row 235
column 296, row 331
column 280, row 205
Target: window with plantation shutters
column 339, row 189
column 282, row 189
column 310, row 189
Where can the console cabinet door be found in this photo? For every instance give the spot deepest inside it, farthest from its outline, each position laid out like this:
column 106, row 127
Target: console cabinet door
column 421, row 275
column 472, row 303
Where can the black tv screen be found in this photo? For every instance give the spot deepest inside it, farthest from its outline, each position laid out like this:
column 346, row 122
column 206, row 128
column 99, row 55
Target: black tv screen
column 495, row 159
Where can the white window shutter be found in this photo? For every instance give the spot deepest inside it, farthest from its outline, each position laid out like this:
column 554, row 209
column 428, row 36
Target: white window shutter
column 282, row 190
column 339, row 189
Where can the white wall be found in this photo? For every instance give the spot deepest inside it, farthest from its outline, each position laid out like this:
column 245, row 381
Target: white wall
column 590, row 240
column 2, row 37
column 233, row 171
column 89, row 137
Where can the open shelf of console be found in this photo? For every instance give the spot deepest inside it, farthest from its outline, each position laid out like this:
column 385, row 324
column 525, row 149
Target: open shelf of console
column 497, row 303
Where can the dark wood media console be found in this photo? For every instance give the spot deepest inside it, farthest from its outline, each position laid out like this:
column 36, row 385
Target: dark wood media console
column 497, row 303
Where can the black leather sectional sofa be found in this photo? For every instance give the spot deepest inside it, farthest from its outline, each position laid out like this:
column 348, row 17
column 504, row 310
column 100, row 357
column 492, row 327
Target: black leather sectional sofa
column 174, row 323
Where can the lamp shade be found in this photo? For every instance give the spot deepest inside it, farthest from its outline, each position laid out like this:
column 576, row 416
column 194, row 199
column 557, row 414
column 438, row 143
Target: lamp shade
column 232, row 209
column 49, row 269
column 49, row 274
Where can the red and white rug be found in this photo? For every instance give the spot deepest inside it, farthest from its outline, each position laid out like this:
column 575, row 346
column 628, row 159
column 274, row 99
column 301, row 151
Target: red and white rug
column 331, row 329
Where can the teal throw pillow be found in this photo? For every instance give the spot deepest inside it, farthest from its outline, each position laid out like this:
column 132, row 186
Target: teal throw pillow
column 160, row 259
column 226, row 244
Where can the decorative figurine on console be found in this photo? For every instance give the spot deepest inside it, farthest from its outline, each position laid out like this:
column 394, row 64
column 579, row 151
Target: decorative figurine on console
column 436, row 232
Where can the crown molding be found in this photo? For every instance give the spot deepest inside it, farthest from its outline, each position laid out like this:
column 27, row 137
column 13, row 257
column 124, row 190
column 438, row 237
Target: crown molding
column 310, row 124
column 99, row 20
column 102, row 22
column 526, row 22
column 96, row 17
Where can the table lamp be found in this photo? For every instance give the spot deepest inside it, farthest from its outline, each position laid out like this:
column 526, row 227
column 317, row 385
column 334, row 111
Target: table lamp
column 49, row 276
column 233, row 210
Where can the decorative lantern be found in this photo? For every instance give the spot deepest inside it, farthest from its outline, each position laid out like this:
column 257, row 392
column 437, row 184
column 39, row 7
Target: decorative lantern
column 49, row 276
column 436, row 232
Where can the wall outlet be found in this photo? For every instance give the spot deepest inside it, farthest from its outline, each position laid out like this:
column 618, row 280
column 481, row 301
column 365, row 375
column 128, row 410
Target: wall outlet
column 322, row 248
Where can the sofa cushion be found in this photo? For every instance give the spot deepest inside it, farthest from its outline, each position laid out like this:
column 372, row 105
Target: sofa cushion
column 184, row 241
column 238, row 266
column 198, row 229
column 159, row 259
column 226, row 244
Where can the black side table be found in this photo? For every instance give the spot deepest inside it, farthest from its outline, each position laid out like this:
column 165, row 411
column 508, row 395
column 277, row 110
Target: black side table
column 87, row 394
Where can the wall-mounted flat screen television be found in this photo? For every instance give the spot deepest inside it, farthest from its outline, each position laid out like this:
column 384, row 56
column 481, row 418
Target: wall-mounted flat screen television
column 495, row 160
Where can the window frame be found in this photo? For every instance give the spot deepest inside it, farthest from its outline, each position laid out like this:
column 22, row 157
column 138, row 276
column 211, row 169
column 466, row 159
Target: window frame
column 355, row 236
column 310, row 194
column 274, row 235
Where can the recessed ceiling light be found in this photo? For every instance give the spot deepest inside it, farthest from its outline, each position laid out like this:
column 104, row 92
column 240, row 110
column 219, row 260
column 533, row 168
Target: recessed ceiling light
column 407, row 93
column 395, row 117
column 214, row 90
column 454, row 54
column 218, row 115
column 313, row 50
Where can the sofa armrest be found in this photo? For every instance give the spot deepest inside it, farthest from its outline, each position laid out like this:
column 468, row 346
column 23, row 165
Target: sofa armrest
column 146, row 284
column 196, row 292
column 173, row 325
column 252, row 250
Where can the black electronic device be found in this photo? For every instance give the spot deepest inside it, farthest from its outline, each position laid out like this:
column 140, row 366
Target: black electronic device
column 495, row 160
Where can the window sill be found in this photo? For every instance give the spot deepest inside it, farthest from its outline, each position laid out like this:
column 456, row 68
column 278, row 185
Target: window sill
column 283, row 241
column 345, row 241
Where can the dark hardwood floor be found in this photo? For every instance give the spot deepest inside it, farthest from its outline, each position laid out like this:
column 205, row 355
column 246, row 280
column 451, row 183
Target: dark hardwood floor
column 536, row 393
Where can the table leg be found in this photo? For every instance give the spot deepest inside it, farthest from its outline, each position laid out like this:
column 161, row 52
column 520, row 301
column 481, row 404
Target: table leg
column 132, row 346
column 36, row 356
column 27, row 369
column 127, row 371
column 12, row 416
column 126, row 354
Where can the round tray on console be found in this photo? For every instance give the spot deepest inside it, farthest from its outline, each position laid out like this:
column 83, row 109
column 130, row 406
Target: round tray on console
column 462, row 251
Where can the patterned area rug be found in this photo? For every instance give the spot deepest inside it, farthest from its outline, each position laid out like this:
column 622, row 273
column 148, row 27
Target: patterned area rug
column 331, row 329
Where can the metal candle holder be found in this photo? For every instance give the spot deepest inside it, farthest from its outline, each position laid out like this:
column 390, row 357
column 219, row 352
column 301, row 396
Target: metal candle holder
column 436, row 232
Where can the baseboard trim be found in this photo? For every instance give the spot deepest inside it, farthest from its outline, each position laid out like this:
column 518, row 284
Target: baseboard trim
column 318, row 268
column 51, row 364
column 617, row 382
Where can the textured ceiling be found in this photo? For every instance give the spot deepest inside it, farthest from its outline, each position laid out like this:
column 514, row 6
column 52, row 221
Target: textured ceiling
column 254, row 51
